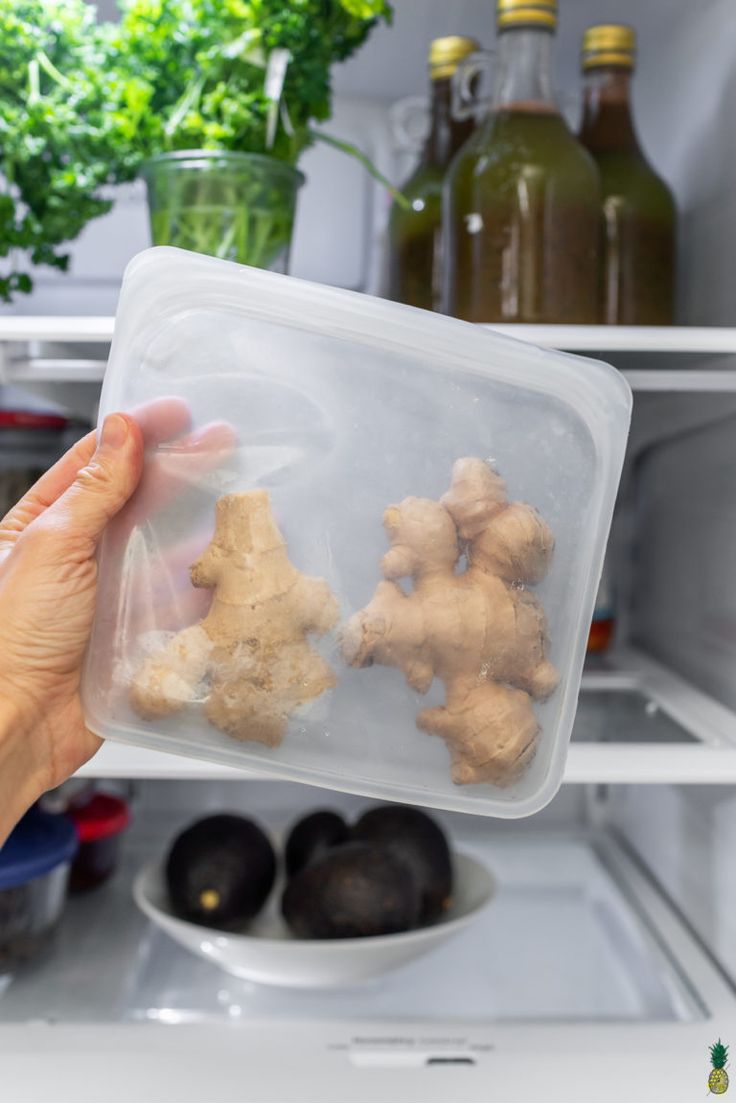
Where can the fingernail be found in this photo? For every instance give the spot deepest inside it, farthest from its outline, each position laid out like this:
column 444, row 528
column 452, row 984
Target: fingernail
column 114, row 431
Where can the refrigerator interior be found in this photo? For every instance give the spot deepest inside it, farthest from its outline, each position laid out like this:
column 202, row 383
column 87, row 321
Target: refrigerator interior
column 612, row 940
column 588, row 952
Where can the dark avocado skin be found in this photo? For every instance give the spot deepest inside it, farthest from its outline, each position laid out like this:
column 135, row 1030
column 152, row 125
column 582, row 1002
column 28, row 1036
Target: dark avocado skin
column 311, row 837
column 416, row 840
column 226, row 854
column 355, row 891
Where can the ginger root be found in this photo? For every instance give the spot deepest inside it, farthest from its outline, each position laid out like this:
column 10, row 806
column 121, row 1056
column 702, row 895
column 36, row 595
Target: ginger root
column 481, row 632
column 249, row 660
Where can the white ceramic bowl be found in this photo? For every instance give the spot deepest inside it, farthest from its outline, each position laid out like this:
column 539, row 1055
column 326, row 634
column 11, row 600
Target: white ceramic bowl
column 269, row 954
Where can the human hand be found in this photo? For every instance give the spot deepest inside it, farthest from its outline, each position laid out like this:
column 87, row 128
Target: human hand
column 48, row 582
column 47, row 597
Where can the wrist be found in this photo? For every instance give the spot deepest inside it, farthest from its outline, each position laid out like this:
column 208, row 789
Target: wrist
column 20, row 784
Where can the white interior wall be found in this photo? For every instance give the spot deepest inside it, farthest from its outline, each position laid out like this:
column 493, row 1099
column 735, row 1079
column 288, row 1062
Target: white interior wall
column 683, row 610
column 280, row 803
column 684, row 599
column 686, row 836
column 393, row 61
column 687, row 111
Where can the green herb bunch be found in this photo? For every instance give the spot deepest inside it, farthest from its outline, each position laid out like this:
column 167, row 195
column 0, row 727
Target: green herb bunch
column 56, row 131
column 83, row 104
column 194, row 70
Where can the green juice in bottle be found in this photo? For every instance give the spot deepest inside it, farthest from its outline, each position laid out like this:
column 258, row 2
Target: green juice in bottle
column 415, row 235
column 521, row 206
column 638, row 263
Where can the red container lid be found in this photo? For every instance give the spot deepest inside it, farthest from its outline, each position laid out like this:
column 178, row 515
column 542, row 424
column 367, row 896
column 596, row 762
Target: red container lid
column 27, row 419
column 100, row 817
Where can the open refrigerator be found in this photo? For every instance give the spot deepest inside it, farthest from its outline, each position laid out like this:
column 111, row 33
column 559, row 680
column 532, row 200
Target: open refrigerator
column 606, row 963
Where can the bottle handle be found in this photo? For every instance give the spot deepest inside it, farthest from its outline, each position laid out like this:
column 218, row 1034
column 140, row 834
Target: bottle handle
column 409, row 123
column 570, row 106
column 467, row 100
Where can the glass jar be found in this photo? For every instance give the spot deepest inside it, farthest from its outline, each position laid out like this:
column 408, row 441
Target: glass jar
column 521, row 208
column 236, row 206
column 603, row 624
column 34, row 871
column 100, row 821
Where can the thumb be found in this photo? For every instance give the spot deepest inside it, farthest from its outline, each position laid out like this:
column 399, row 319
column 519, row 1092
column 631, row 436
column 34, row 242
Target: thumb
column 103, row 486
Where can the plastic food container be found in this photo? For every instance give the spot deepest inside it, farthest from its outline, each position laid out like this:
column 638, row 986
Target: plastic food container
column 282, row 419
column 100, row 822
column 34, row 870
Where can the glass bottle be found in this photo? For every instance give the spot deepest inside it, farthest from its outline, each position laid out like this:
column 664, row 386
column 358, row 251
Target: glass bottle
column 414, row 261
column 521, row 207
column 638, row 286
column 604, row 616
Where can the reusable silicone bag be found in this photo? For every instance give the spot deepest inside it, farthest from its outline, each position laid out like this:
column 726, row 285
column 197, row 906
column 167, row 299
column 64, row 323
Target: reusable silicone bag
column 276, row 411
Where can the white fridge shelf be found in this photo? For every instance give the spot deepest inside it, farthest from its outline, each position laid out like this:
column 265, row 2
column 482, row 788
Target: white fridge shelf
column 707, row 340
column 82, row 328
column 638, row 723
column 669, row 340
column 654, row 358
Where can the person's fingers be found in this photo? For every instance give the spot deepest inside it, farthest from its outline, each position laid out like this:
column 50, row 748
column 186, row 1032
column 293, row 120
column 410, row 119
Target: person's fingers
column 162, row 419
column 102, row 487
column 159, row 420
column 187, row 459
column 46, row 490
column 164, row 597
column 180, row 464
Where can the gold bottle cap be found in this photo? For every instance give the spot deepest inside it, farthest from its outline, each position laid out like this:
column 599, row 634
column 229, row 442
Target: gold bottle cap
column 609, row 44
column 445, row 54
column 529, row 13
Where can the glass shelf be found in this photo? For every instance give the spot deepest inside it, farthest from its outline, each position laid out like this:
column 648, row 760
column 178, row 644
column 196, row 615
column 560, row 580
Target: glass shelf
column 625, row 716
column 560, row 942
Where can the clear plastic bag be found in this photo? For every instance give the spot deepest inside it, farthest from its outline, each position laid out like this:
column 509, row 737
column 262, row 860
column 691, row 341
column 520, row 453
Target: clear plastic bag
column 338, row 406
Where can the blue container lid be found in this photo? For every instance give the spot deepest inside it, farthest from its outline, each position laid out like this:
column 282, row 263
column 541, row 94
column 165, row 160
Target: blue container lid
column 39, row 843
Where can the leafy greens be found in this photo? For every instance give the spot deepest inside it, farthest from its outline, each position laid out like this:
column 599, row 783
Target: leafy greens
column 82, row 104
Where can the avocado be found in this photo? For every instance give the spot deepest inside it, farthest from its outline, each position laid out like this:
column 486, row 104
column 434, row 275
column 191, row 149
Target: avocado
column 219, row 871
column 311, row 837
column 417, row 841
column 353, row 891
